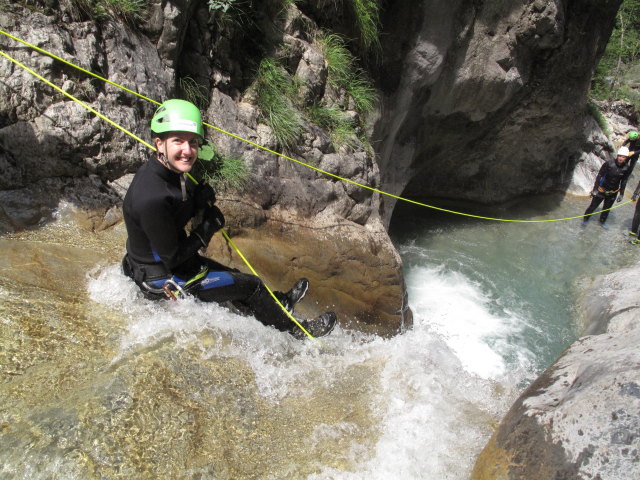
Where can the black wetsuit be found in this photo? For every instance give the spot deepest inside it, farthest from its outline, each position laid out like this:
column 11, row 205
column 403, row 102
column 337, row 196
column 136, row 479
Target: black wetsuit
column 610, row 182
column 162, row 258
column 635, row 224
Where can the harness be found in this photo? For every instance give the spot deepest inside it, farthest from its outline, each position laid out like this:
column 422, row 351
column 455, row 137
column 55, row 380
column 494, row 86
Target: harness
column 608, row 192
column 156, row 282
column 174, row 288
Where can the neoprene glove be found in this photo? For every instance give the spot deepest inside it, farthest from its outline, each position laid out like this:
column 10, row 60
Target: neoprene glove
column 594, row 192
column 214, row 214
column 212, row 221
column 204, row 196
column 619, row 199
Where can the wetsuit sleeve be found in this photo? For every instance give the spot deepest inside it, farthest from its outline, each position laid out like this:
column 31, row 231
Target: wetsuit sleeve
column 168, row 240
column 623, row 183
column 601, row 173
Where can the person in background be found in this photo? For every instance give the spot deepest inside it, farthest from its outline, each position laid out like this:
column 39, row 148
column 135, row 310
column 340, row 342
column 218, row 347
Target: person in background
column 635, row 223
column 163, row 259
column 610, row 183
column 633, row 144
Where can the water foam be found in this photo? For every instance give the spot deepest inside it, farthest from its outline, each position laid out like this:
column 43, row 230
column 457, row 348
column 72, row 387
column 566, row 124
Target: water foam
column 461, row 313
column 436, row 408
column 439, row 388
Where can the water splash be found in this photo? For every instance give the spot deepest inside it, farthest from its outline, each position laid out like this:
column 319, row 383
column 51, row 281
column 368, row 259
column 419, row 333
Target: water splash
column 105, row 381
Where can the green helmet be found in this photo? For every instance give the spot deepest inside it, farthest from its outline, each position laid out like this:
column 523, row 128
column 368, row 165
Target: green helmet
column 633, row 135
column 177, row 116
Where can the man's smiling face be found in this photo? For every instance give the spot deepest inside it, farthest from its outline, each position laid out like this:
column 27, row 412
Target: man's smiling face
column 180, row 150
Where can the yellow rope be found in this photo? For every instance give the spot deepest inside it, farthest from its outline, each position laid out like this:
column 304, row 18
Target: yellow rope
column 76, row 100
column 38, row 49
column 224, row 234
column 324, row 172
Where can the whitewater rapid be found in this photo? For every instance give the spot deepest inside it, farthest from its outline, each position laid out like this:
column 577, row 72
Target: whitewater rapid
column 436, row 392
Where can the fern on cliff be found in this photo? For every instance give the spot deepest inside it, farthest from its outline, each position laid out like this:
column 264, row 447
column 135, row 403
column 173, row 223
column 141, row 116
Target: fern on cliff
column 342, row 74
column 127, row 10
column 274, row 91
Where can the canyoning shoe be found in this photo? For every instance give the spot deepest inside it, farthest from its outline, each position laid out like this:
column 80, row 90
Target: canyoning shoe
column 634, row 241
column 297, row 293
column 317, row 327
column 604, row 226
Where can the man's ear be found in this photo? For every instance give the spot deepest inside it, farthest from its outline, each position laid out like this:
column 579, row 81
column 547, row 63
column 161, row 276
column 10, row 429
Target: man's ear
column 159, row 143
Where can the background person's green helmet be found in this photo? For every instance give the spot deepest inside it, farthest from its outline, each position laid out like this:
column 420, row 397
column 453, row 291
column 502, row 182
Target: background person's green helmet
column 633, row 135
column 177, row 116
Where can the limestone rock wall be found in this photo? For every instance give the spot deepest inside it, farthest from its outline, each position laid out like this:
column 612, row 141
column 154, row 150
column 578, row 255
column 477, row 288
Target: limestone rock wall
column 485, row 101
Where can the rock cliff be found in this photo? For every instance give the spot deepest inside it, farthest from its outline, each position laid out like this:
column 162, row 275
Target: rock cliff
column 579, row 419
column 487, row 100
column 482, row 101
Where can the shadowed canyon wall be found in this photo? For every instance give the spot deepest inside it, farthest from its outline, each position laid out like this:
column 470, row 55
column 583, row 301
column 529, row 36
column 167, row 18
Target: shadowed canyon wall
column 486, row 101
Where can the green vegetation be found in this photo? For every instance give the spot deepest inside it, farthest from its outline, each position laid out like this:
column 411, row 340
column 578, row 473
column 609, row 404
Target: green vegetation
column 275, row 95
column 616, row 67
column 231, row 11
column 220, row 5
column 276, row 91
column 334, row 120
column 599, row 117
column 127, row 10
column 339, row 59
column 367, row 15
column 342, row 73
column 223, row 172
column 225, row 6
column 193, row 92
column 243, row 13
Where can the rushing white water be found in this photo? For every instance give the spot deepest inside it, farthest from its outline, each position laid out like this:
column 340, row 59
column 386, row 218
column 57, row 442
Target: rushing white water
column 126, row 387
column 436, row 391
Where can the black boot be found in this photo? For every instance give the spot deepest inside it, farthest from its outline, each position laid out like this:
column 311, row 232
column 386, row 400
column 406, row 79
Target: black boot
column 293, row 296
column 317, row 327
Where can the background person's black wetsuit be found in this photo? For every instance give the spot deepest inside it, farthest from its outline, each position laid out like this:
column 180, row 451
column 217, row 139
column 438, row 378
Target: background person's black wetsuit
column 635, row 224
column 158, row 205
column 610, row 182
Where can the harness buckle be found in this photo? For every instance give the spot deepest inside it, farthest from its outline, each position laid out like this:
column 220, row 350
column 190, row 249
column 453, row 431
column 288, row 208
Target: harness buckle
column 172, row 290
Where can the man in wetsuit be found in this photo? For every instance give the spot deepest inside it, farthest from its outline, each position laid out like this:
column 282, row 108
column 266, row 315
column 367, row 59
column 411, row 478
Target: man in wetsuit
column 163, row 259
column 610, row 183
column 634, row 237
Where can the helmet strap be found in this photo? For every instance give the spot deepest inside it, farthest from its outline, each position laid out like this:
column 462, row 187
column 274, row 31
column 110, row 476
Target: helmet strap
column 162, row 158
